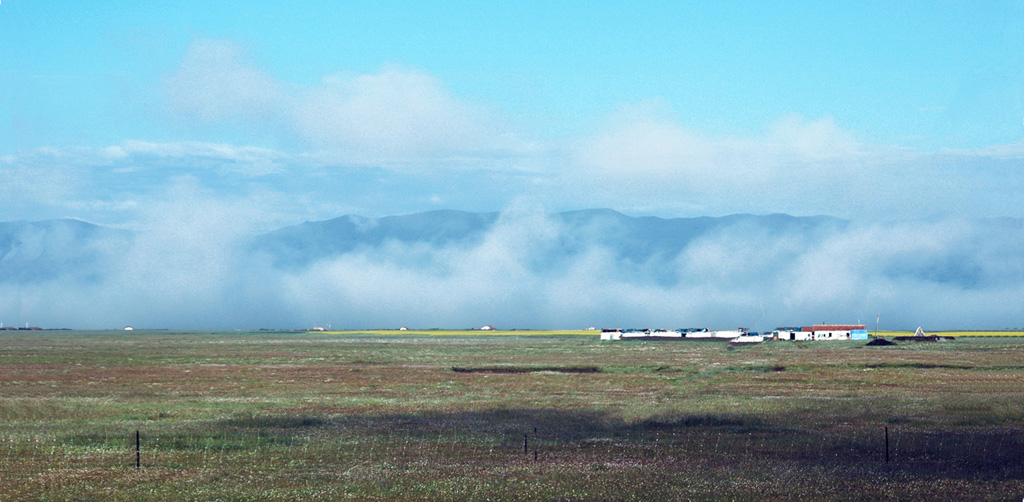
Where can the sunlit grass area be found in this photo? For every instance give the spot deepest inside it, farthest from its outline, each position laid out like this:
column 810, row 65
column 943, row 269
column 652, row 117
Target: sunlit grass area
column 312, row 416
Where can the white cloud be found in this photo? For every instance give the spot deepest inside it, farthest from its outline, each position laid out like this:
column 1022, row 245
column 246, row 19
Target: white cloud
column 408, row 123
column 648, row 155
column 215, row 82
column 643, row 140
column 643, row 161
column 810, row 140
column 400, row 135
column 739, row 276
column 395, row 117
column 248, row 161
column 722, row 281
column 396, row 114
column 655, row 149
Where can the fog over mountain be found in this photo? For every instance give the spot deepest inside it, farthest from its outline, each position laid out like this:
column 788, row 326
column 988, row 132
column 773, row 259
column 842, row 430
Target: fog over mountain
column 521, row 268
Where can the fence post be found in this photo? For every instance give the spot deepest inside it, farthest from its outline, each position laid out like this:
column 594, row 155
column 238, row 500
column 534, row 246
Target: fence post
column 138, row 451
column 887, row 444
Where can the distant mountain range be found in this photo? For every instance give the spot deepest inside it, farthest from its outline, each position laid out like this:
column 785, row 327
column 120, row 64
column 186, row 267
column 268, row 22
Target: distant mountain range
column 77, row 250
column 517, row 268
column 68, row 249
column 58, row 249
column 634, row 238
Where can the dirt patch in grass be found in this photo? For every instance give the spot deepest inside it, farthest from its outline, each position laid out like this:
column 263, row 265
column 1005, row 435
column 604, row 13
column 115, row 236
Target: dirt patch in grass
column 917, row 365
column 687, row 421
column 527, row 369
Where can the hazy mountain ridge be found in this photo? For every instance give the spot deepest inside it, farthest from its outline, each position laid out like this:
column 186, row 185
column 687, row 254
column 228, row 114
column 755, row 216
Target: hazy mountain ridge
column 637, row 239
column 311, row 241
column 517, row 268
column 74, row 249
column 62, row 248
column 994, row 245
column 78, row 250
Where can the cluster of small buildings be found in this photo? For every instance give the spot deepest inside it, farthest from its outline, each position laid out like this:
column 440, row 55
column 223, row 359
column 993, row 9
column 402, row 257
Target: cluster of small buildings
column 741, row 335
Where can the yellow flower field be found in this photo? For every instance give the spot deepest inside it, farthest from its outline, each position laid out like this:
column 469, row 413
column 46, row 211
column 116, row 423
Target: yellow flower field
column 949, row 333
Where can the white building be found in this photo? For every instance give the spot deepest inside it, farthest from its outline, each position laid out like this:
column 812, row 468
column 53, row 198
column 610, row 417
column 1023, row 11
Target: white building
column 611, row 334
column 837, row 331
column 792, row 333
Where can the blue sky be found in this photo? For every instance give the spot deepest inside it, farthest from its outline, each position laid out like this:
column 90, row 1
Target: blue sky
column 198, row 124
column 664, row 108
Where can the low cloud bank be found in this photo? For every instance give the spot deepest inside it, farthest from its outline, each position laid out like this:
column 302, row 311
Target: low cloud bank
column 531, row 270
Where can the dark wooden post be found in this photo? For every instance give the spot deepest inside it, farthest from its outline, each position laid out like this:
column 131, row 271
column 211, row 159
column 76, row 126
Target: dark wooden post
column 526, row 444
column 887, row 444
column 138, row 451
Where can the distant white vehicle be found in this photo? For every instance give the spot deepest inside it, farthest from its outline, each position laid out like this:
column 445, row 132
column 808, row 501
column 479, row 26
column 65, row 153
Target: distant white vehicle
column 666, row 334
column 729, row 333
column 747, row 339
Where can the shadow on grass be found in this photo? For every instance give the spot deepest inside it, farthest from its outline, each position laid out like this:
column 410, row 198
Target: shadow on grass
column 699, row 440
column 717, row 438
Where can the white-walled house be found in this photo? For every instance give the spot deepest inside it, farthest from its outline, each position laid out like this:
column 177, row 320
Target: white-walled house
column 611, row 334
column 822, row 332
column 837, row 331
column 791, row 333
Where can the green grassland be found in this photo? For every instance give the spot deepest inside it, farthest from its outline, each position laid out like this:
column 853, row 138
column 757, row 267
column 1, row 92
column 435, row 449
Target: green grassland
column 314, row 416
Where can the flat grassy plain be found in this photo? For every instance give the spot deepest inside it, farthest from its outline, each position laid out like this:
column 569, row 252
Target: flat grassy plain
column 304, row 416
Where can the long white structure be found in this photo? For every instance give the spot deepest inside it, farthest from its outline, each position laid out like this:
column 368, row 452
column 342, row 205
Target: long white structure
column 823, row 332
column 806, row 333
